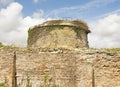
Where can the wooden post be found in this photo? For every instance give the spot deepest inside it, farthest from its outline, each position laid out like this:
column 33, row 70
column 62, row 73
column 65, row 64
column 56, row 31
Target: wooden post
column 93, row 78
column 14, row 78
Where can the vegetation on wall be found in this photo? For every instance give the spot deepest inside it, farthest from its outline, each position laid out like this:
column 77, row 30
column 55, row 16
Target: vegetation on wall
column 2, row 85
column 113, row 49
column 1, row 45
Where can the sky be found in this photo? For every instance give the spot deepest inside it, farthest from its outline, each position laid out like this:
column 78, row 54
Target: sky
column 102, row 17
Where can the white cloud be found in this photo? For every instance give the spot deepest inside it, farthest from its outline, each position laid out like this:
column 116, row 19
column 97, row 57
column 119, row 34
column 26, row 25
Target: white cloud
column 38, row 14
column 80, row 8
column 14, row 27
column 5, row 2
column 107, row 14
column 105, row 32
column 35, row 1
column 11, row 16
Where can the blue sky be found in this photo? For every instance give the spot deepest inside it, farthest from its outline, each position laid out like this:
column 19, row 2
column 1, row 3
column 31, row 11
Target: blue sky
column 102, row 17
column 47, row 5
column 74, row 9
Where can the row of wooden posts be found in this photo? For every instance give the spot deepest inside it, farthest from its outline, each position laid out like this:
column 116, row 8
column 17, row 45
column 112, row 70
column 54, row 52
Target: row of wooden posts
column 14, row 73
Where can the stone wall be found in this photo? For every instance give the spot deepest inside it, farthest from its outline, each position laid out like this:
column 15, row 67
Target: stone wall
column 63, row 68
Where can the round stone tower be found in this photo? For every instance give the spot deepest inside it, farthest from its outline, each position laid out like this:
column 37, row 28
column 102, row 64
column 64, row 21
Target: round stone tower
column 59, row 34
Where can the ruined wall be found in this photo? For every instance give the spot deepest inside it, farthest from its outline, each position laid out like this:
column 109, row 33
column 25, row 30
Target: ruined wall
column 68, row 68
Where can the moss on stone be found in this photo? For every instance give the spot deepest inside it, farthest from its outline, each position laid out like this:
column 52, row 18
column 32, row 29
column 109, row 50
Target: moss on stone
column 30, row 32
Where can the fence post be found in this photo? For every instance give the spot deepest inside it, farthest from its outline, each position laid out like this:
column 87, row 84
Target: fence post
column 93, row 78
column 14, row 77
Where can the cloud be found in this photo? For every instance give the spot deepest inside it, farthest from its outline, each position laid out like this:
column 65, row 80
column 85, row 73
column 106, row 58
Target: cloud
column 5, row 2
column 36, row 1
column 105, row 32
column 107, row 14
column 80, row 8
column 14, row 27
column 38, row 14
column 11, row 16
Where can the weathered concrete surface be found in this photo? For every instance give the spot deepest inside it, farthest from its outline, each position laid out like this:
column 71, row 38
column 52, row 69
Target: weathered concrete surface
column 68, row 68
column 59, row 34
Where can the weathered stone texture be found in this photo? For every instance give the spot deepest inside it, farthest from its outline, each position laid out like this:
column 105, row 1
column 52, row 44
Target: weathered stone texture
column 64, row 68
column 59, row 34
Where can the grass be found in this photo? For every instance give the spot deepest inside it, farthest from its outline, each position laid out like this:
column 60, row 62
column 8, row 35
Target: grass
column 113, row 49
column 1, row 45
column 2, row 85
column 28, row 83
column 8, row 46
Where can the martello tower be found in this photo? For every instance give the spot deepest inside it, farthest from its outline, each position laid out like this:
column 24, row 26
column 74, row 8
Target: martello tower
column 59, row 34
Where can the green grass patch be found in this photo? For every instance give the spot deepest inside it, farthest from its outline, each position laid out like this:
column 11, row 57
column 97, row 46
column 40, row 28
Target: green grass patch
column 2, row 84
column 1, row 45
column 116, row 49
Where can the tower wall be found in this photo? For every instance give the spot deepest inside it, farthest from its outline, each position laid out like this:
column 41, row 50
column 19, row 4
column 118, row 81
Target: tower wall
column 65, row 34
